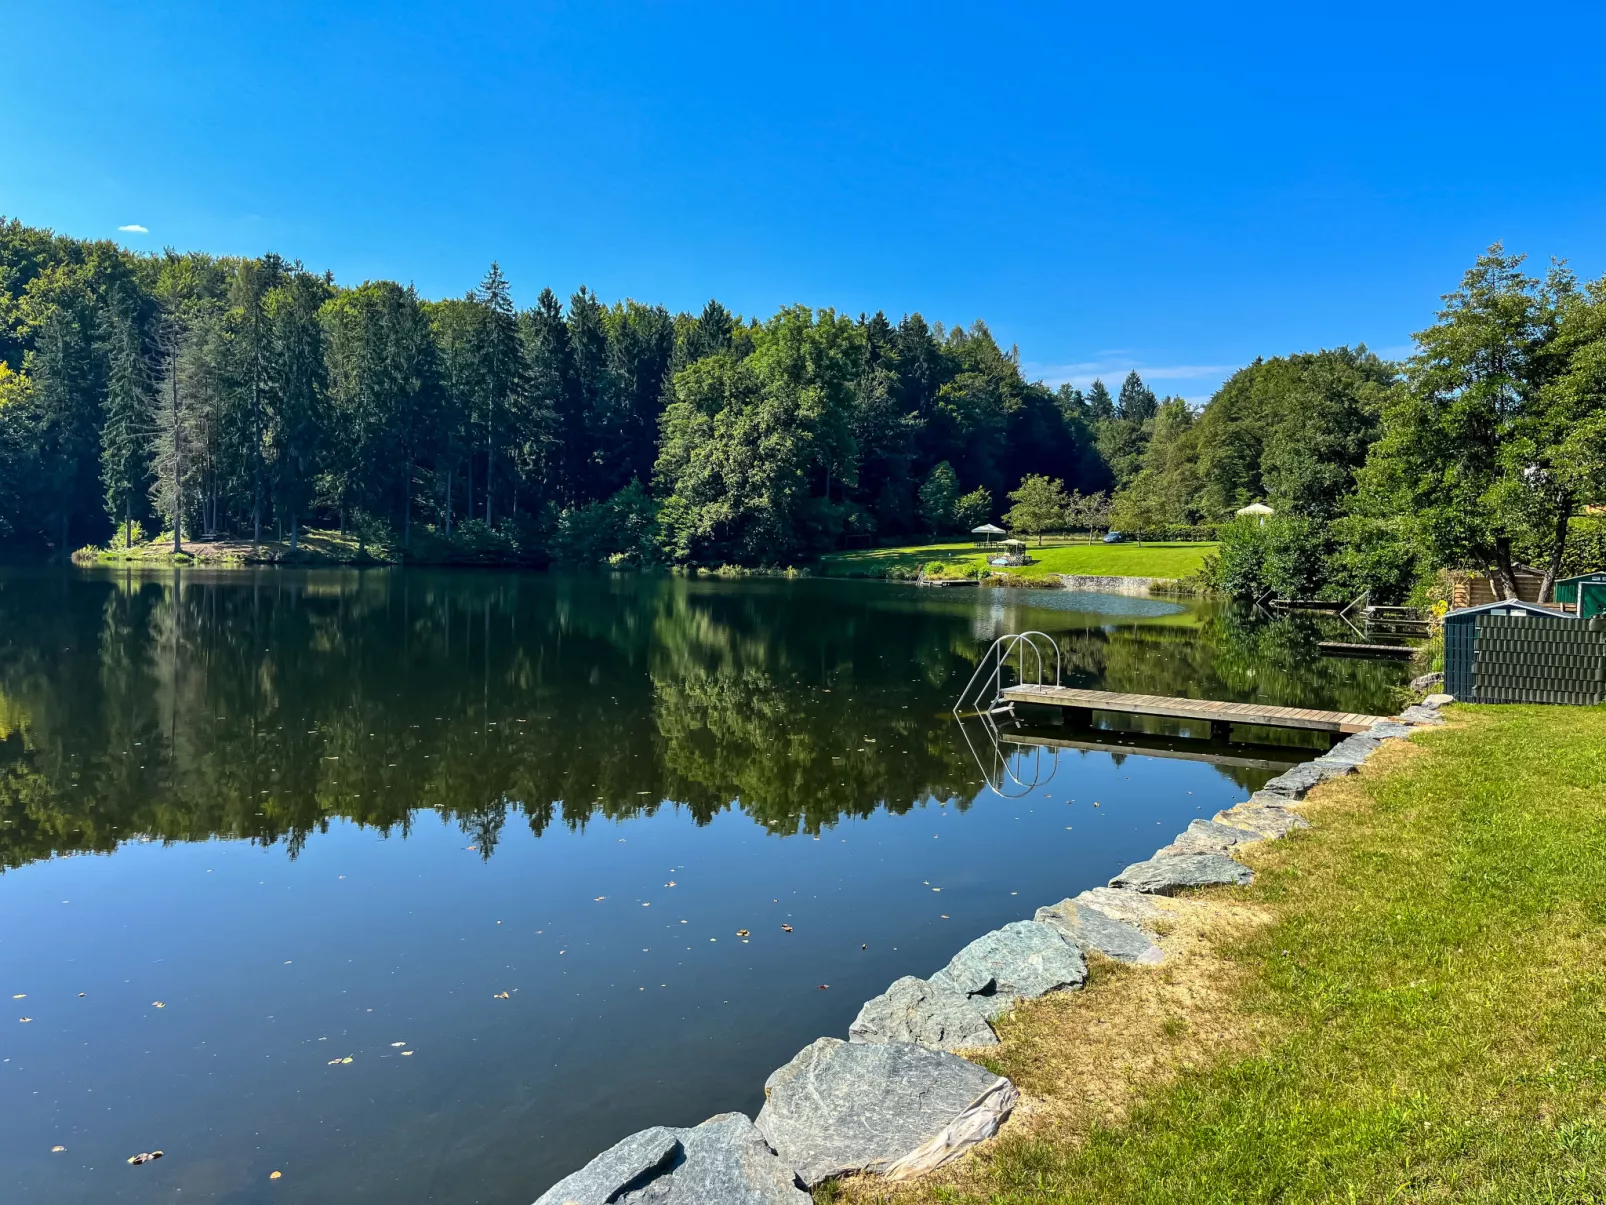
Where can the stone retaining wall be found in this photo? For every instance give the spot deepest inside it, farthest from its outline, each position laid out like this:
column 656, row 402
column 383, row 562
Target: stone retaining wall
column 1110, row 585
column 893, row 1100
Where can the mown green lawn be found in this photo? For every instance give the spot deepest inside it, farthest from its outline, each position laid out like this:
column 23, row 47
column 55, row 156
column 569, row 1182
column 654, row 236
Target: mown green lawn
column 1434, row 987
column 1112, row 560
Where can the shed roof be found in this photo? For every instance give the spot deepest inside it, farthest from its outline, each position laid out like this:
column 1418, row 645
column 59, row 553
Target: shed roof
column 1505, row 607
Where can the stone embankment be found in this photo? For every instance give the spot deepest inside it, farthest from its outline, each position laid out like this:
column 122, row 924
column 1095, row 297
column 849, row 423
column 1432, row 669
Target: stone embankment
column 1111, row 585
column 894, row 1099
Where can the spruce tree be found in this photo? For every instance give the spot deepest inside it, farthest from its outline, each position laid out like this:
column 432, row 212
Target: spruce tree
column 125, row 433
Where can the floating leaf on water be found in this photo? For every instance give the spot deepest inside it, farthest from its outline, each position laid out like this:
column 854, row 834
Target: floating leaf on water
column 743, row 933
column 157, row 1004
column 25, row 1020
column 825, row 987
column 398, row 1043
column 671, row 883
column 406, row 1053
column 599, row 898
column 20, row 996
column 786, row 928
column 144, row 1157
column 275, row 1175
column 501, row 996
column 80, row 995
column 347, row 1059
column 56, row 1150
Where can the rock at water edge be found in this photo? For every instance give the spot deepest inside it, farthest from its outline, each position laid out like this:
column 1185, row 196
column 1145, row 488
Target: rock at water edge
column 926, row 1013
column 1021, row 961
column 726, row 1161
column 1167, row 876
column 1269, row 822
column 723, row 1161
column 1386, row 729
column 1209, row 837
column 601, row 1180
column 1093, row 930
column 1143, row 912
column 892, row 1108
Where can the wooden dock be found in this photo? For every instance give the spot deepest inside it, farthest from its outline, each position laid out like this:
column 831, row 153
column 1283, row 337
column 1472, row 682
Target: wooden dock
column 1078, row 705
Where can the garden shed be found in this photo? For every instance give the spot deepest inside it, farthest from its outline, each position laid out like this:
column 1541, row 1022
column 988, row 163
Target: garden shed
column 1566, row 589
column 1518, row 652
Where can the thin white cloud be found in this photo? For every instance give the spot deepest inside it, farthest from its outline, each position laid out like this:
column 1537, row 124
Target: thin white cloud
column 133, row 228
column 1112, row 372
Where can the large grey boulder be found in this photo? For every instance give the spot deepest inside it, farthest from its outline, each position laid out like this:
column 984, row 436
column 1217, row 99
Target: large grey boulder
column 937, row 1015
column 1167, row 876
column 1095, row 931
column 893, row 1108
column 1020, row 961
column 1269, row 821
column 723, row 1161
column 599, row 1182
column 1209, row 837
column 1296, row 782
column 1436, row 701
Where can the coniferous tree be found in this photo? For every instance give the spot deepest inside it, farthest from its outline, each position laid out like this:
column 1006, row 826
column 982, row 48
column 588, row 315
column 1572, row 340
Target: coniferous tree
column 127, row 427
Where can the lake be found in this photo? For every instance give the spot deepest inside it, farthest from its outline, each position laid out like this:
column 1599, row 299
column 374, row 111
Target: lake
column 428, row 887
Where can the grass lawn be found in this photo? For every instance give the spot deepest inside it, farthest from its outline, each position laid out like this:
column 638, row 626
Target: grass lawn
column 1112, row 560
column 1417, row 1011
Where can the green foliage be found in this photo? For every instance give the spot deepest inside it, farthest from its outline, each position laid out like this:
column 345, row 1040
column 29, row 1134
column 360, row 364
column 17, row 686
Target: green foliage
column 620, row 531
column 1287, row 556
column 974, row 509
column 939, row 497
column 1040, row 506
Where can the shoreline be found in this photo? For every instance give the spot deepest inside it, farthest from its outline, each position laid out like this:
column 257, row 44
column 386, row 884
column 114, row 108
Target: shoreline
column 916, row 1085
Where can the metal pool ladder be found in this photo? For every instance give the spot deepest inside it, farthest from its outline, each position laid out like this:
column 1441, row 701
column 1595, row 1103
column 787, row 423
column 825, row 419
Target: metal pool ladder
column 983, row 694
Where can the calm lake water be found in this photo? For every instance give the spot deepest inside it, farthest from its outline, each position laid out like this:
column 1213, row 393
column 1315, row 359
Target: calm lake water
column 275, row 845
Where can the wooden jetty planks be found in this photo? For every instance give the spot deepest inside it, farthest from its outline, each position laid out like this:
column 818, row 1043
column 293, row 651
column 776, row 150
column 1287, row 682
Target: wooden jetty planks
column 1212, row 710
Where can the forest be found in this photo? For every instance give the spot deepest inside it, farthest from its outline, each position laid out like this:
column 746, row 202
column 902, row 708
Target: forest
column 194, row 398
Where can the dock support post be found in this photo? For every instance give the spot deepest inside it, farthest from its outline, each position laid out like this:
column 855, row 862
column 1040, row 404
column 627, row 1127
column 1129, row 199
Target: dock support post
column 1077, row 717
column 1221, row 730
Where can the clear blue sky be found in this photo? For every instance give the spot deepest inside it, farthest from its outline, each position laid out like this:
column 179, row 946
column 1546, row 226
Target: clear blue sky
column 1173, row 187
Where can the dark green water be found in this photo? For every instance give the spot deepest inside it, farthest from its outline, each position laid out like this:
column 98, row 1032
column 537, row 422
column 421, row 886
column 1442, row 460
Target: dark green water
column 339, row 814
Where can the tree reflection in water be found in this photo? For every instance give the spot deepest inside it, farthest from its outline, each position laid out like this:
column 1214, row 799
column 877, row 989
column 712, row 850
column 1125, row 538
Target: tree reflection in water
column 260, row 705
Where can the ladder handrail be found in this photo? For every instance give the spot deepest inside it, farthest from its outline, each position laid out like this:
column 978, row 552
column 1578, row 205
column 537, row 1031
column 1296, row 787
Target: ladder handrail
column 998, row 655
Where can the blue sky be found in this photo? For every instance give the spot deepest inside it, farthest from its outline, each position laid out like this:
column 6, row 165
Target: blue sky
column 1177, row 188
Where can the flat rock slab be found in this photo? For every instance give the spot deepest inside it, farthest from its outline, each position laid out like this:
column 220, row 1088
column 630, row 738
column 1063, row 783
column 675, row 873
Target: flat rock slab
column 1387, row 729
column 723, row 1161
column 1210, row 837
column 1021, row 961
column 893, row 1108
column 1420, row 715
column 1355, row 748
column 1269, row 822
column 926, row 1013
column 1299, row 781
column 1167, row 876
column 1142, row 912
column 1096, row 932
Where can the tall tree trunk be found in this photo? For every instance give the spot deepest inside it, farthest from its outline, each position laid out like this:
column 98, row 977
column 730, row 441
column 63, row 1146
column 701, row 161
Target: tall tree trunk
column 1505, row 572
column 292, row 531
column 407, row 508
column 468, row 494
column 452, row 472
column 490, row 464
column 178, row 459
column 1547, row 588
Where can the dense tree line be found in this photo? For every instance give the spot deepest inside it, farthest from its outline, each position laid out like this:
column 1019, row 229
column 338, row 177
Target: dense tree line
column 251, row 398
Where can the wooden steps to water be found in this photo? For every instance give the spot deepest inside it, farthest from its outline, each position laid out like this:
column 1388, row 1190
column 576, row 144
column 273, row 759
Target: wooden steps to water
column 1220, row 715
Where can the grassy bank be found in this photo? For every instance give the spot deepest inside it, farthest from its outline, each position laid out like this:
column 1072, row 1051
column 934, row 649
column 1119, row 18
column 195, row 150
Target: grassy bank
column 1408, row 1005
column 1105, row 560
column 315, row 547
